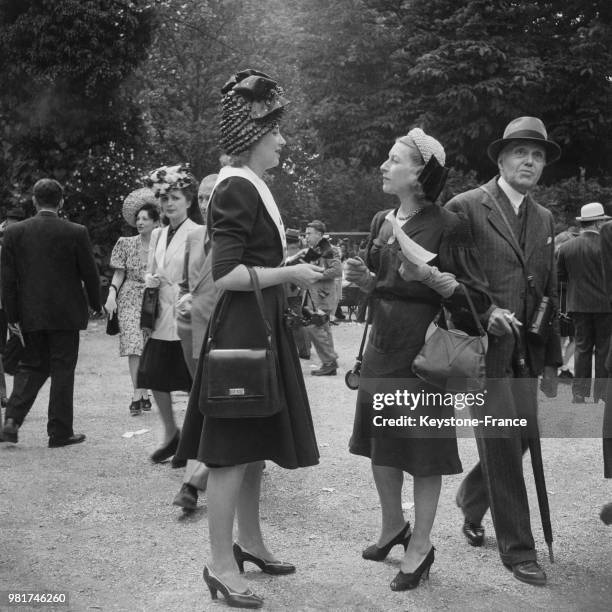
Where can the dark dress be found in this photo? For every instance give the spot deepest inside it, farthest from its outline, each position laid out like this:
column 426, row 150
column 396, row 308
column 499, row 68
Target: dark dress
column 402, row 312
column 243, row 232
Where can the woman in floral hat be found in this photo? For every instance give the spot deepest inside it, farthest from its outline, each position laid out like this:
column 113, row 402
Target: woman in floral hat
column 247, row 231
column 162, row 365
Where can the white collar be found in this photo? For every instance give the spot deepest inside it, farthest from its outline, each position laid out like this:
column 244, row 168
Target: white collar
column 515, row 197
column 265, row 194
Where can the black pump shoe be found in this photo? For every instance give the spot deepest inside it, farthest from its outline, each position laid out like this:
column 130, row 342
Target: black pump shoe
column 276, row 568
column 406, row 582
column 246, row 599
column 473, row 533
column 165, row 452
column 375, row 553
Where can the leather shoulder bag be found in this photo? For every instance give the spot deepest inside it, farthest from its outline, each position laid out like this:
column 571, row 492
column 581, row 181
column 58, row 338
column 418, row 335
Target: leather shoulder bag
column 149, row 309
column 451, row 359
column 240, row 382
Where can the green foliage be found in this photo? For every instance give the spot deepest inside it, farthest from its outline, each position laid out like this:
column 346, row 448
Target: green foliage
column 99, row 91
column 64, row 112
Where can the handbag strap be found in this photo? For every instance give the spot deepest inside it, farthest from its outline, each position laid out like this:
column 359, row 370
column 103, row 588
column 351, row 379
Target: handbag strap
column 222, row 306
column 481, row 330
column 260, row 304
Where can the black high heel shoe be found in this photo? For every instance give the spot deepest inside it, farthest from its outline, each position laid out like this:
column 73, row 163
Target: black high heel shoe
column 145, row 404
column 375, row 553
column 276, row 568
column 246, row 599
column 165, row 452
column 405, row 582
column 135, row 408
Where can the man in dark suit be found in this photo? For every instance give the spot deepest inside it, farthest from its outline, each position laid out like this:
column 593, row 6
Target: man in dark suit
column 516, row 238
column 580, row 266
column 45, row 260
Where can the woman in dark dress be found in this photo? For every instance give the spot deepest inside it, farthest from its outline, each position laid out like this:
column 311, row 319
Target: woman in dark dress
column 407, row 298
column 246, row 231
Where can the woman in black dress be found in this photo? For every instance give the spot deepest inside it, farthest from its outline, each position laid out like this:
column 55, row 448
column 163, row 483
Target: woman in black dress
column 247, row 230
column 406, row 298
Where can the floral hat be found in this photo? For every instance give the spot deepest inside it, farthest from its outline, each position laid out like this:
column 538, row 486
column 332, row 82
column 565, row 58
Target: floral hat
column 166, row 178
column 135, row 201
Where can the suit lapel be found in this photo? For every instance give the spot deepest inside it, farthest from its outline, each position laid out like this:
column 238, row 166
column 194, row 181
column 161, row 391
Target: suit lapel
column 497, row 220
column 535, row 227
column 178, row 240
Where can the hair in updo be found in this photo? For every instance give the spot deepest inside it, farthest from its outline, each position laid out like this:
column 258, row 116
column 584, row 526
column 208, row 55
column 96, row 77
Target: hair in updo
column 151, row 210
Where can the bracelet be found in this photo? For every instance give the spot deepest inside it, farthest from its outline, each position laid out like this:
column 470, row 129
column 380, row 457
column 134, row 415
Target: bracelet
column 115, row 288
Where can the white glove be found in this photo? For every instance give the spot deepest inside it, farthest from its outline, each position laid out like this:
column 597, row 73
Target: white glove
column 152, row 281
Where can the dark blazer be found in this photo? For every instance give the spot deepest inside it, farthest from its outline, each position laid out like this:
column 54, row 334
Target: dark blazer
column 45, row 260
column 580, row 265
column 517, row 280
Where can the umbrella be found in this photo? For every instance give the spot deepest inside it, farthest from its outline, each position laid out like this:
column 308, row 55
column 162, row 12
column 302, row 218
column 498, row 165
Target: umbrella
column 535, row 449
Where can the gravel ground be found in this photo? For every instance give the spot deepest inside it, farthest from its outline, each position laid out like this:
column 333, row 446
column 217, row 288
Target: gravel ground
column 96, row 519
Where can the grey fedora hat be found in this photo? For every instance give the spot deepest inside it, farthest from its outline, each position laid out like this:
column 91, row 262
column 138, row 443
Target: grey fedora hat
column 526, row 128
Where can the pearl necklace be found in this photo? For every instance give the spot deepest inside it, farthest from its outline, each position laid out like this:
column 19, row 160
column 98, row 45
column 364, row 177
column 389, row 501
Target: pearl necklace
column 411, row 214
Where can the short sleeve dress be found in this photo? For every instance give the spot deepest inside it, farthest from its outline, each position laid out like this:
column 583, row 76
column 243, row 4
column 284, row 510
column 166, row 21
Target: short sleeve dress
column 126, row 256
column 402, row 312
column 244, row 233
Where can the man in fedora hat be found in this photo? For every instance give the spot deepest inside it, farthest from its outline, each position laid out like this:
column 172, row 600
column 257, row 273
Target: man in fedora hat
column 579, row 265
column 516, row 239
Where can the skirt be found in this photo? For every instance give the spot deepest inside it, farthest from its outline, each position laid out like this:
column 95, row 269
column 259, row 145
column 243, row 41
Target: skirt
column 162, row 367
column 286, row 438
column 398, row 333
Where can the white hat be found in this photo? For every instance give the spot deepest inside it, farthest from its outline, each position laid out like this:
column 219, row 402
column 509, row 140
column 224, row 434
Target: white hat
column 134, row 201
column 592, row 212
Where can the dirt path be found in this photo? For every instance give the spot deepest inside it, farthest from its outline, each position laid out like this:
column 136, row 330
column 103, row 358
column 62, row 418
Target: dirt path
column 96, row 519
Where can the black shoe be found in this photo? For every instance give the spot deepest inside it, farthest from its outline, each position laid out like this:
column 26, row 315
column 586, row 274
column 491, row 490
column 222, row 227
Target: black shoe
column 376, row 553
column 577, row 399
column 405, row 582
column 473, row 533
column 565, row 377
column 145, row 404
column 9, row 431
column 276, row 568
column 186, row 498
column 326, row 370
column 529, row 572
column 305, row 356
column 135, row 408
column 247, row 599
column 177, row 463
column 165, row 452
column 74, row 439
column 606, row 514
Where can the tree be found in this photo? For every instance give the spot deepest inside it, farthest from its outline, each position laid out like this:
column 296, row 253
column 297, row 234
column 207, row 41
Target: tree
column 63, row 110
column 462, row 70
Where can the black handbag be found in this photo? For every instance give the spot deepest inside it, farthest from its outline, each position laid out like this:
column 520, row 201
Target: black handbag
column 150, row 307
column 239, row 382
column 112, row 324
column 13, row 351
column 451, row 359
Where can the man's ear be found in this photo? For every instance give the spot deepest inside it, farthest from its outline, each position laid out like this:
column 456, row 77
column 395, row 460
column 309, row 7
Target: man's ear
column 61, row 204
